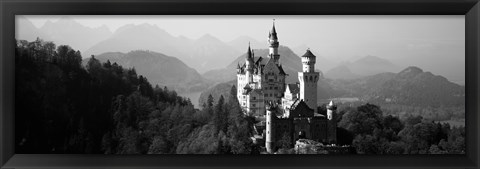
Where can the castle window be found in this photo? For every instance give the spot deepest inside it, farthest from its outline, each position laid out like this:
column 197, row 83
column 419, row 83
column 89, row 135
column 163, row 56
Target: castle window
column 243, row 103
column 254, row 105
column 266, row 95
column 254, row 98
column 276, row 88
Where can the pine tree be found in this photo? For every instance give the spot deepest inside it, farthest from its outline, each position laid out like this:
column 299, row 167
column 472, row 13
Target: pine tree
column 219, row 113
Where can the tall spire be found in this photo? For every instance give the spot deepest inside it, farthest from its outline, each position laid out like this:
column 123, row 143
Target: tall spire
column 273, row 28
column 249, row 52
column 273, row 32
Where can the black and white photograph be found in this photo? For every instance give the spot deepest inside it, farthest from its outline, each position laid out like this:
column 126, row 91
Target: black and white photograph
column 240, row 84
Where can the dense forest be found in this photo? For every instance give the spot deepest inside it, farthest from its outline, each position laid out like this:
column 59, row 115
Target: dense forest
column 64, row 107
column 370, row 131
column 103, row 108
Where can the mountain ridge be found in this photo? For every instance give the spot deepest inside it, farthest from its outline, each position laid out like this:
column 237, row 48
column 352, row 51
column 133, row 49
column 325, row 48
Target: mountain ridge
column 159, row 69
column 203, row 54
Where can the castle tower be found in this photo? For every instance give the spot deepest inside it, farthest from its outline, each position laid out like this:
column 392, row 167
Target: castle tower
column 308, row 80
column 331, row 108
column 332, row 122
column 273, row 44
column 249, row 65
column 270, row 130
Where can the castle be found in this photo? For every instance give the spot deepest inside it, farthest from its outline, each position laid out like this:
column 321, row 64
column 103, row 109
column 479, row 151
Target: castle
column 284, row 109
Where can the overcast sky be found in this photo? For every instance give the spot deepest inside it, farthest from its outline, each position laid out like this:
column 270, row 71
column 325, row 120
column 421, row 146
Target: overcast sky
column 426, row 41
column 329, row 35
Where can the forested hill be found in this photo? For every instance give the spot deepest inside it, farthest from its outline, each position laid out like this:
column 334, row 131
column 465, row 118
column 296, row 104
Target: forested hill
column 411, row 86
column 63, row 107
column 159, row 69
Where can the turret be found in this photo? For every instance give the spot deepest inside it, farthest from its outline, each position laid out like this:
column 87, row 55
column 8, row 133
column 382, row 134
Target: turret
column 239, row 69
column 332, row 122
column 308, row 61
column 308, row 80
column 273, row 44
column 249, row 65
column 331, row 108
column 270, row 130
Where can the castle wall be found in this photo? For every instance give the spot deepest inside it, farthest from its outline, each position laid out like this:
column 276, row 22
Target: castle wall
column 283, row 126
column 255, row 104
column 302, row 124
column 319, row 128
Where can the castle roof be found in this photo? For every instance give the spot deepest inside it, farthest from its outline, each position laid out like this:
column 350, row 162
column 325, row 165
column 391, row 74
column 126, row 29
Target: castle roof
column 300, row 109
column 259, row 61
column 273, row 32
column 247, row 89
column 282, row 72
column 249, row 56
column 309, row 54
column 331, row 105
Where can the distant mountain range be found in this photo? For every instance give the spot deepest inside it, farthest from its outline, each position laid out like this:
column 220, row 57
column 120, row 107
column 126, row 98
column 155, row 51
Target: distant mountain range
column 341, row 72
column 364, row 66
column 204, row 53
column 159, row 69
column 240, row 43
column 79, row 37
column 25, row 30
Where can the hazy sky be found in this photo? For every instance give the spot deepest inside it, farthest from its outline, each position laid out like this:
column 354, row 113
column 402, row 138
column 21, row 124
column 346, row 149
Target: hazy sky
column 326, row 34
column 431, row 42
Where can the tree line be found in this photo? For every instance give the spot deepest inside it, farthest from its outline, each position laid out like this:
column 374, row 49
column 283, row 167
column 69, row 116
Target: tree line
column 62, row 106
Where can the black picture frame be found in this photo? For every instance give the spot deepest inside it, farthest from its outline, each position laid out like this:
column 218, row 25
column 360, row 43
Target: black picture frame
column 10, row 8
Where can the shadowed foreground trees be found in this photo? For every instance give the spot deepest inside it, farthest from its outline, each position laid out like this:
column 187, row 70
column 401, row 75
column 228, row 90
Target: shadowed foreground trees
column 64, row 107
